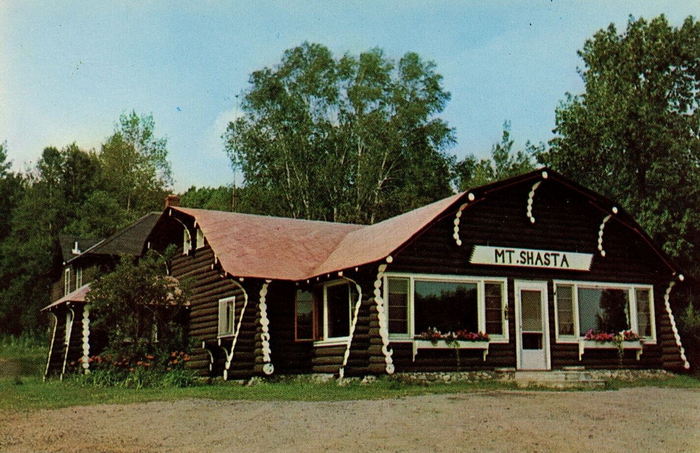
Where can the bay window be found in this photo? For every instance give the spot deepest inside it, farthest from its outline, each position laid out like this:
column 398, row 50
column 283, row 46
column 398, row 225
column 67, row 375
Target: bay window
column 583, row 307
column 417, row 303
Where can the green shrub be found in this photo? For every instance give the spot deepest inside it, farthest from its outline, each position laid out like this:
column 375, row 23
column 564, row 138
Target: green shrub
column 138, row 378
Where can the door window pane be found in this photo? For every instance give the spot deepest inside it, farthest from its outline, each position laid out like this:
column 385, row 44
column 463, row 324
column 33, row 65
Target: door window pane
column 531, row 307
column 447, row 306
column 494, row 309
column 643, row 313
column 603, row 310
column 398, row 305
column 565, row 313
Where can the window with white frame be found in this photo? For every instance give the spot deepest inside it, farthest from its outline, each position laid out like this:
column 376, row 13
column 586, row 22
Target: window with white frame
column 417, row 303
column 200, row 239
column 69, row 327
column 583, row 307
column 186, row 241
column 338, row 301
column 227, row 316
column 66, row 281
column 78, row 277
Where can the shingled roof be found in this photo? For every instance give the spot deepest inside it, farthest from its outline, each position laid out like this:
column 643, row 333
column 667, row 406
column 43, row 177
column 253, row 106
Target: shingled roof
column 77, row 296
column 280, row 248
column 127, row 241
column 68, row 244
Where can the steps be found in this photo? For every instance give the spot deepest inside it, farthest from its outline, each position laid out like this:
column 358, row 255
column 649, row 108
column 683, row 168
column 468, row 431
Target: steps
column 558, row 379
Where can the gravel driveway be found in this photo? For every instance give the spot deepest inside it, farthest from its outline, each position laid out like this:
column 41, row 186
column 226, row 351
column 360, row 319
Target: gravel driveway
column 634, row 419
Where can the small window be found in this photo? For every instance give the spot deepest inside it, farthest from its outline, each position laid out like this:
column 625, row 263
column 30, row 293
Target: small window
column 338, row 301
column 186, row 241
column 398, row 305
column 565, row 310
column 69, row 326
column 304, row 312
column 200, row 238
column 227, row 315
column 78, row 277
column 644, row 322
column 66, row 282
column 495, row 308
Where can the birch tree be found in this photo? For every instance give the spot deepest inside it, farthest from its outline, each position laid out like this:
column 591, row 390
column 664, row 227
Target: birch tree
column 350, row 138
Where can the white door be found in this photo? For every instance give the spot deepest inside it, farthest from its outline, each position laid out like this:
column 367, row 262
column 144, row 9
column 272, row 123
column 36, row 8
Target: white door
column 532, row 326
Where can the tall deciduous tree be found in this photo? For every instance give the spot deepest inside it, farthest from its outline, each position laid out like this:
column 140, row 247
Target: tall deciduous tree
column 222, row 198
column 137, row 172
column 11, row 188
column 503, row 163
column 634, row 134
column 352, row 139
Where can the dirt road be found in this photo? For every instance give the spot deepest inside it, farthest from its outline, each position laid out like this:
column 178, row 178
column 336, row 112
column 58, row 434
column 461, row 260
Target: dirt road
column 639, row 419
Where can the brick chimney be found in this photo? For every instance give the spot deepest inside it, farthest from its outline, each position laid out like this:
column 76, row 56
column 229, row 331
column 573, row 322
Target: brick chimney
column 172, row 200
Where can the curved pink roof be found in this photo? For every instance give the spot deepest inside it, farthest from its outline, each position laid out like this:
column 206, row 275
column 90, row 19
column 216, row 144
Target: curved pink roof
column 279, row 248
column 76, row 296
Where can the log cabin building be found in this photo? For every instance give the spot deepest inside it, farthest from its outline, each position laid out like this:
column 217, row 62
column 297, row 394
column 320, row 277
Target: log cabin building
column 532, row 273
column 83, row 261
column 527, row 273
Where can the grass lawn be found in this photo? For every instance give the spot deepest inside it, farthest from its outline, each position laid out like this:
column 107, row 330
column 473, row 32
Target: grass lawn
column 22, row 363
column 20, row 394
column 32, row 393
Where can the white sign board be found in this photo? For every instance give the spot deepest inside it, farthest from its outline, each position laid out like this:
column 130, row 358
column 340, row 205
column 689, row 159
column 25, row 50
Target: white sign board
column 546, row 259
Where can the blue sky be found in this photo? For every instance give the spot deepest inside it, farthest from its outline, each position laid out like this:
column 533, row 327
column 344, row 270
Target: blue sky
column 68, row 69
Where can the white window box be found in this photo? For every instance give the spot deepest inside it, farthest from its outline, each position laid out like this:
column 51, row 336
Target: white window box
column 590, row 344
column 456, row 344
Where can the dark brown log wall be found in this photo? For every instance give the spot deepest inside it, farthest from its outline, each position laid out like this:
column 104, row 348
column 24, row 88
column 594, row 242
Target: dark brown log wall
column 207, row 285
column 74, row 346
column 565, row 220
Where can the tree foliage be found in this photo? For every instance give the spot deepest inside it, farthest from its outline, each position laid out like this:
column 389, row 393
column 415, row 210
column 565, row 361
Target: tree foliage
column 503, row 163
column 218, row 198
column 353, row 139
column 138, row 307
column 634, row 134
column 136, row 170
column 70, row 190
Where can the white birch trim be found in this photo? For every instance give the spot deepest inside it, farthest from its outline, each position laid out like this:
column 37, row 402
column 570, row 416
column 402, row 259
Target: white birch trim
column 86, row 339
column 455, row 234
column 68, row 333
column 671, row 318
column 530, row 199
column 531, row 196
column 237, row 330
column 383, row 321
column 601, row 231
column 53, row 338
column 211, row 356
column 356, row 313
column 268, row 367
